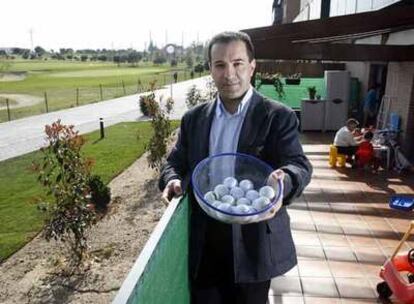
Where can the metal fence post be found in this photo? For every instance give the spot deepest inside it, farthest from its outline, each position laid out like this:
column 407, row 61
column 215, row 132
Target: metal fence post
column 8, row 109
column 46, row 105
column 123, row 87
column 100, row 90
column 77, row 96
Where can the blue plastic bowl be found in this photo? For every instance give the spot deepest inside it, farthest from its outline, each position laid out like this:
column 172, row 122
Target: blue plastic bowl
column 213, row 170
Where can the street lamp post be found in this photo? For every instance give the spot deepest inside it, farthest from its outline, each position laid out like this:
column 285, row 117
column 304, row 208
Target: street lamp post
column 170, row 50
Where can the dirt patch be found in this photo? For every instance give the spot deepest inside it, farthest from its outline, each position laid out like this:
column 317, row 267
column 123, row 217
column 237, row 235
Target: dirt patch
column 116, row 241
column 20, row 100
column 15, row 76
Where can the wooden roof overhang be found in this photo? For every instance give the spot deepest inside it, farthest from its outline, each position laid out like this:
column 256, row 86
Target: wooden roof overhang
column 332, row 38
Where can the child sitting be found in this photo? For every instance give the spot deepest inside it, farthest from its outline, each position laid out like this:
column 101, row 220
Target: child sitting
column 365, row 153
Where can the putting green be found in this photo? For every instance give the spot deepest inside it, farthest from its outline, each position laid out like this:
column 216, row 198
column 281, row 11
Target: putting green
column 294, row 93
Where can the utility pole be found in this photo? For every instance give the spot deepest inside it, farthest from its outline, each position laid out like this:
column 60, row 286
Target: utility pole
column 166, row 37
column 31, row 38
column 182, row 39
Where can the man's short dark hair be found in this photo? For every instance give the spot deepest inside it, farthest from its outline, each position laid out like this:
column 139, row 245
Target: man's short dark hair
column 227, row 37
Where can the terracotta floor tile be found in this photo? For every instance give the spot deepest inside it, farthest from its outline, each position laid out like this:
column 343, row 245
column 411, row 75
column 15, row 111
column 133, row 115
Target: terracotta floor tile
column 389, row 242
column 371, row 270
column 339, row 254
column 370, row 255
column 305, row 238
column 333, row 239
column 317, row 300
column 332, row 228
column 310, row 252
column 362, row 241
column 346, row 269
column 314, row 268
column 359, row 301
column 294, row 272
column 358, row 288
column 343, row 230
column 285, row 286
column 285, row 300
column 302, row 226
column 356, row 229
column 319, row 287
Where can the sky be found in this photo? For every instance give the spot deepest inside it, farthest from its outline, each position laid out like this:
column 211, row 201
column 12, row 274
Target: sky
column 81, row 24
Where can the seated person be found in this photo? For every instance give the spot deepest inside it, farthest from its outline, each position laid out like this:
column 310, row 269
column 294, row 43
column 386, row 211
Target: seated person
column 345, row 140
column 365, row 154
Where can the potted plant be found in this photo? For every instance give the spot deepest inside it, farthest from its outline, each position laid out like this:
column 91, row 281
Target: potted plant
column 293, row 79
column 312, row 92
column 278, row 84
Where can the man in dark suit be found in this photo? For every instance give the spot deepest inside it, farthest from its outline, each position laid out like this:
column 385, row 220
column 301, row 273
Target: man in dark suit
column 235, row 263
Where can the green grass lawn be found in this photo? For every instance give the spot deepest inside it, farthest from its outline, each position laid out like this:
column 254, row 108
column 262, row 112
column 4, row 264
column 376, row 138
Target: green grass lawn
column 19, row 189
column 295, row 93
column 62, row 80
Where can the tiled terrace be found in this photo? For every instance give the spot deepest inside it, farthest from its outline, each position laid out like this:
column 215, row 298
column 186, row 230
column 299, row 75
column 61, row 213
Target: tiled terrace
column 343, row 231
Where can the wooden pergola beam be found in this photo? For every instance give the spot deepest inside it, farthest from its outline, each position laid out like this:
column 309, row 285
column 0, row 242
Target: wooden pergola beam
column 340, row 52
column 400, row 16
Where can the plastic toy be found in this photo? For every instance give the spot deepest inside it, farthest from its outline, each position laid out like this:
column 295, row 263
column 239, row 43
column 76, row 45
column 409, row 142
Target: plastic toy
column 394, row 283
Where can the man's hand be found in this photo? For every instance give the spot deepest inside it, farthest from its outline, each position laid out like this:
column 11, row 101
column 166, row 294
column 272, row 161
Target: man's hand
column 172, row 189
column 274, row 177
column 273, row 181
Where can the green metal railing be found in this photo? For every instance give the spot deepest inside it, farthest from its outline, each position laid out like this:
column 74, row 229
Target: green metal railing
column 160, row 274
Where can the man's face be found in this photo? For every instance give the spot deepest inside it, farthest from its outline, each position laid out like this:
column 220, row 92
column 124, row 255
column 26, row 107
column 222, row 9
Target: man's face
column 231, row 69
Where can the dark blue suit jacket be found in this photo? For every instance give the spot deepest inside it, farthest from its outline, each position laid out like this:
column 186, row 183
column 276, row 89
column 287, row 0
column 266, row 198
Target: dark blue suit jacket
column 270, row 132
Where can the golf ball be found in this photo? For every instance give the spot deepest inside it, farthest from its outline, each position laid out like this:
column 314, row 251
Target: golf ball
column 237, row 192
column 230, row 182
column 252, row 195
column 228, row 199
column 246, row 185
column 210, row 197
column 220, row 190
column 260, row 203
column 267, row 191
column 243, row 201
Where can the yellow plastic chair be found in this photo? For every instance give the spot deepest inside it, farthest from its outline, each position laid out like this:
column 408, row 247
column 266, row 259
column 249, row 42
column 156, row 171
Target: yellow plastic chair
column 335, row 158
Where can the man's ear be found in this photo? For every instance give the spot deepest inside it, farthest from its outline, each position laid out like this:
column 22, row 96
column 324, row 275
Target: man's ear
column 253, row 67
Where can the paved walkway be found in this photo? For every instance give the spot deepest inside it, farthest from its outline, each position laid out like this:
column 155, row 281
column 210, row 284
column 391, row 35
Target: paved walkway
column 343, row 231
column 25, row 135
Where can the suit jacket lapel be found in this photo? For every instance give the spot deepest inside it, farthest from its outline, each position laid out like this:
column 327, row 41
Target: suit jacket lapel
column 204, row 125
column 255, row 116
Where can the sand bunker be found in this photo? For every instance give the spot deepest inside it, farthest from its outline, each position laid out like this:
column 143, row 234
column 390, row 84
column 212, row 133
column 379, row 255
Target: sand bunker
column 20, row 100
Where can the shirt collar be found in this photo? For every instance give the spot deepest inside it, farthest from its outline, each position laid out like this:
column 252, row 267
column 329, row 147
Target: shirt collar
column 221, row 110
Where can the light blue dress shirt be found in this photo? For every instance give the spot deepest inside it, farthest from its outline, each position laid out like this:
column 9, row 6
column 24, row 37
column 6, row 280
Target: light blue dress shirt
column 226, row 127
column 224, row 137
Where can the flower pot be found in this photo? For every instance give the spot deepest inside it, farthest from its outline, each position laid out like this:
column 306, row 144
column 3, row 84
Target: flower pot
column 294, row 81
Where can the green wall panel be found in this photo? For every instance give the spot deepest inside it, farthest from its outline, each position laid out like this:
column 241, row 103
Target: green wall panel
column 165, row 279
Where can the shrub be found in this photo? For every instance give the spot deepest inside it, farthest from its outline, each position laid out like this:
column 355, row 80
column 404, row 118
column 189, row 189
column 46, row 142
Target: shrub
column 65, row 174
column 161, row 125
column 148, row 105
column 100, row 193
column 193, row 97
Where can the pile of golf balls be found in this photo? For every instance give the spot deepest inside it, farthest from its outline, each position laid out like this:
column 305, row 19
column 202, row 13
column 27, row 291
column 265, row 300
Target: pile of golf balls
column 239, row 197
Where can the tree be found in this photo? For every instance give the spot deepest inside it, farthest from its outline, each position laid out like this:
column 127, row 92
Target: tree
column 39, row 51
column 84, row 58
column 159, row 58
column 189, row 59
column 134, row 57
column 199, row 68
